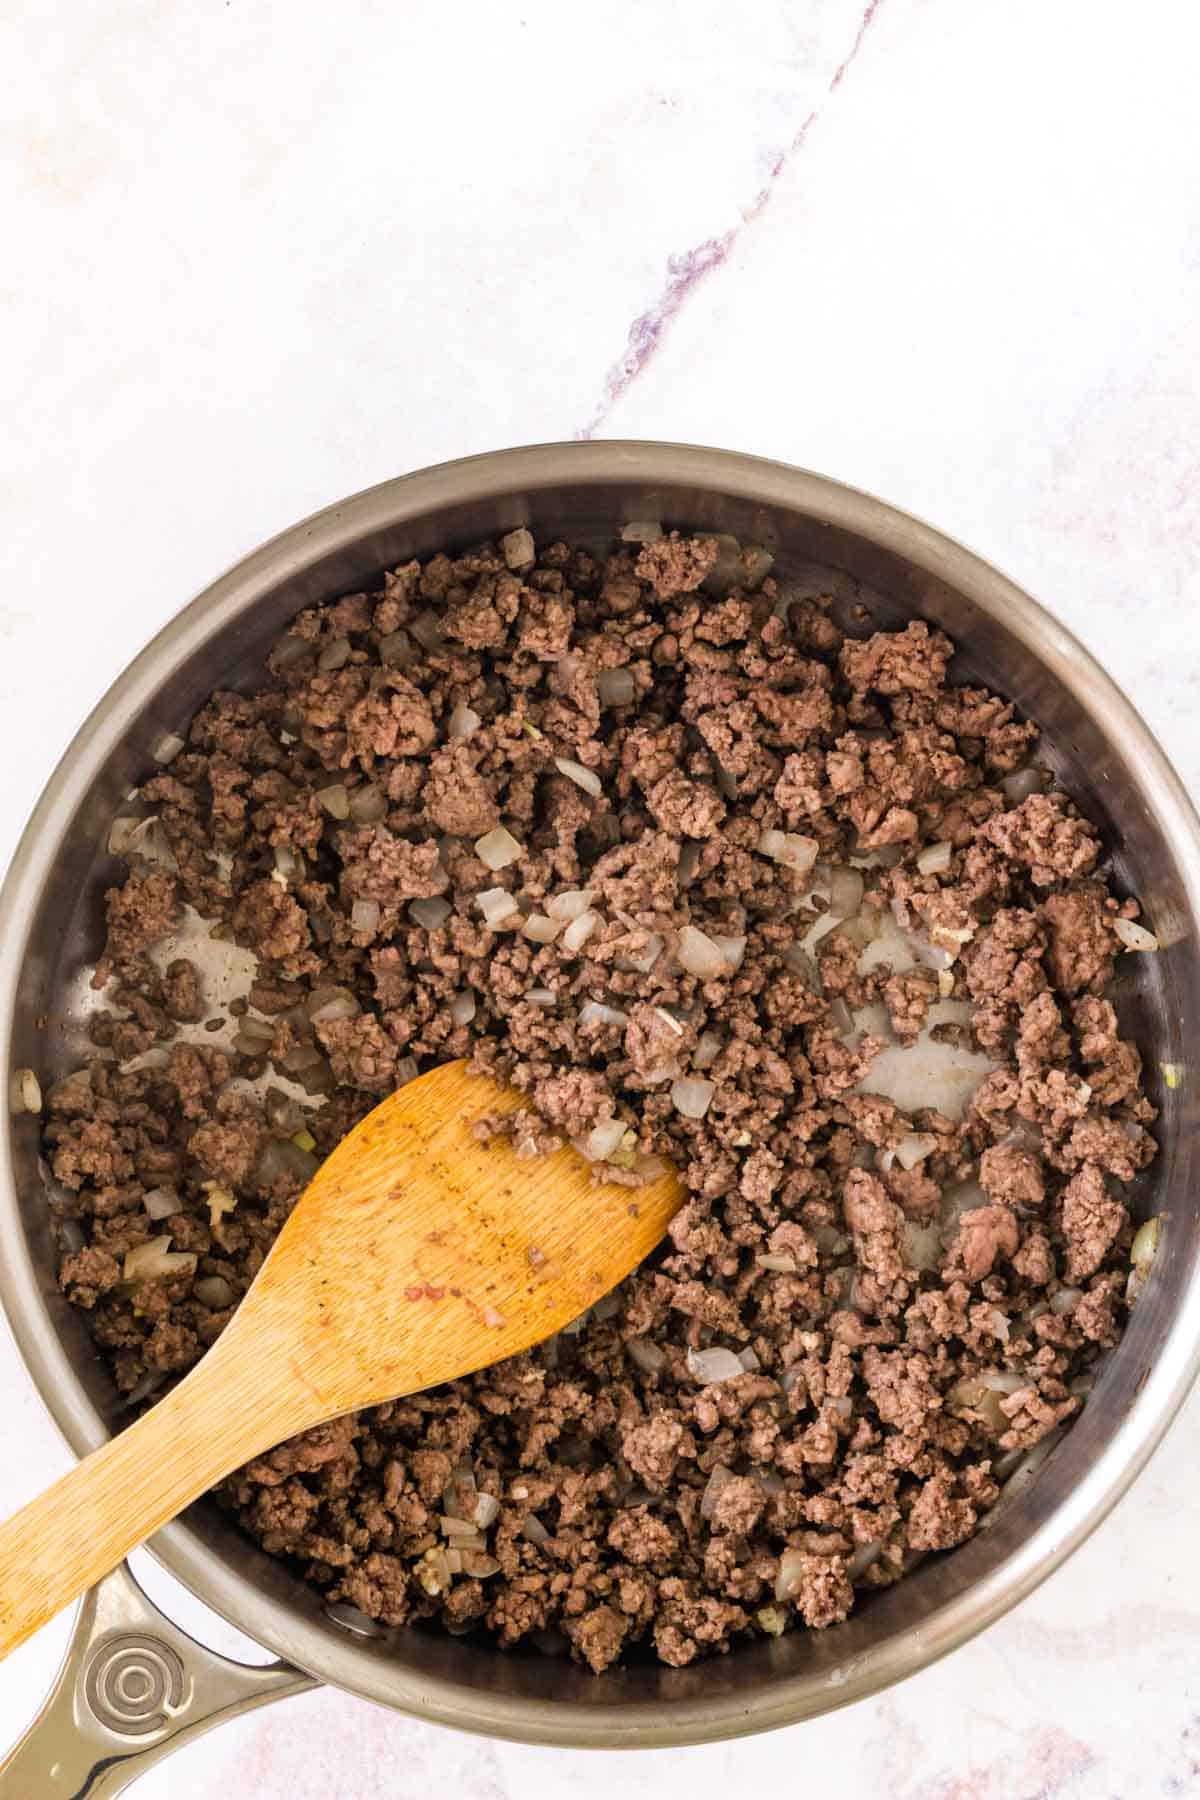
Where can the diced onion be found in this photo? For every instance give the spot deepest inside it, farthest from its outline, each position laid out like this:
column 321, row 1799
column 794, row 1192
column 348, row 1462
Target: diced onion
column 587, row 779
column 733, row 949
column 642, row 531
column 790, row 1574
column 718, row 1481
column 496, row 849
column 608, row 1305
column 335, row 655
column 603, row 1139
column 120, row 833
column 726, row 786
column 283, row 1114
column 166, row 748
column 840, row 1016
column 594, row 1012
column 922, row 1245
column 935, row 859
column 462, row 1008
column 258, row 1032
column 914, row 1147
column 533, row 1529
column 518, row 548
column 214, row 1291
column 956, row 1201
column 326, row 1005
column 154, row 1260
column 1145, row 1243
column 933, row 956
column 974, row 1396
column 487, row 1511
column 1019, row 786
column 406, row 1071
column 579, row 931
column 749, row 1360
column 689, row 863
column 790, row 849
column 712, row 1366
column 645, row 1355
column 845, row 892
column 284, row 1157
column 708, row 1048
column 352, row 1619
column 463, row 1531
column 397, row 650
column 495, row 904
column 463, row 722
column 459, row 1494
column 615, row 687
column 288, row 863
column 540, row 996
column 640, row 962
column 289, row 650
column 364, row 915
column 368, row 804
column 25, row 1091
column 692, row 1097
column 1024, row 1135
column 862, row 1559
column 570, row 905
column 1133, row 936
column 428, row 631
column 700, row 955
column 540, row 929
column 429, row 914
column 1065, row 1301
column 335, row 800
column 161, row 1202
column 778, row 1265
column 146, row 838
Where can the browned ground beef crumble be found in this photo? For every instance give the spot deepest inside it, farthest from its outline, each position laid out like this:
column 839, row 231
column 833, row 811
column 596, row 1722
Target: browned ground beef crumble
column 635, row 1503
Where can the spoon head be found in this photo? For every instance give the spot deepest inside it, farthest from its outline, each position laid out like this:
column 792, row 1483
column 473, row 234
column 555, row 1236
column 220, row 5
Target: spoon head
column 419, row 1252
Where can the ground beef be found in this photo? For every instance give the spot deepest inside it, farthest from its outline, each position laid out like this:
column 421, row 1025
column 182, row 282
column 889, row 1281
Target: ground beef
column 676, row 564
column 1082, row 941
column 327, row 823
column 1091, row 1221
column 140, row 912
column 1047, row 836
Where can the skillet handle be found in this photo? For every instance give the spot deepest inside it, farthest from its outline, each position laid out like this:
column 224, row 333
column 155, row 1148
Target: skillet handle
column 133, row 1687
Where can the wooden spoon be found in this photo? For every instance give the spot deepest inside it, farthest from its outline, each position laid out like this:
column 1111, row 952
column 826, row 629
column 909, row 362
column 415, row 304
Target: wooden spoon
column 416, row 1254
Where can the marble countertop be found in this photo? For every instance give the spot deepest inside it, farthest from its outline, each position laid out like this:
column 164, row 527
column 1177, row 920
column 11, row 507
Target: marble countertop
column 263, row 253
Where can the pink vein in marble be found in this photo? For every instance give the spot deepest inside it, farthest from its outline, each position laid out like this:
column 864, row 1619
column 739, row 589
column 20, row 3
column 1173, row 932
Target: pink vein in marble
column 687, row 269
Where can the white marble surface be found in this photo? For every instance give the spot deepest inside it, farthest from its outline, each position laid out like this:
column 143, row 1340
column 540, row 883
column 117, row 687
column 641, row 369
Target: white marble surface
column 262, row 253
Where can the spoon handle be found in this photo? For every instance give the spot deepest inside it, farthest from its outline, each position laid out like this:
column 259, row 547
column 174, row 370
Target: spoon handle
column 63, row 1541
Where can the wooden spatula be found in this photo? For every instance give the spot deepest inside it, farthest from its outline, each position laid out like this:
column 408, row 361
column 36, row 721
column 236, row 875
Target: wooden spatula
column 415, row 1255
